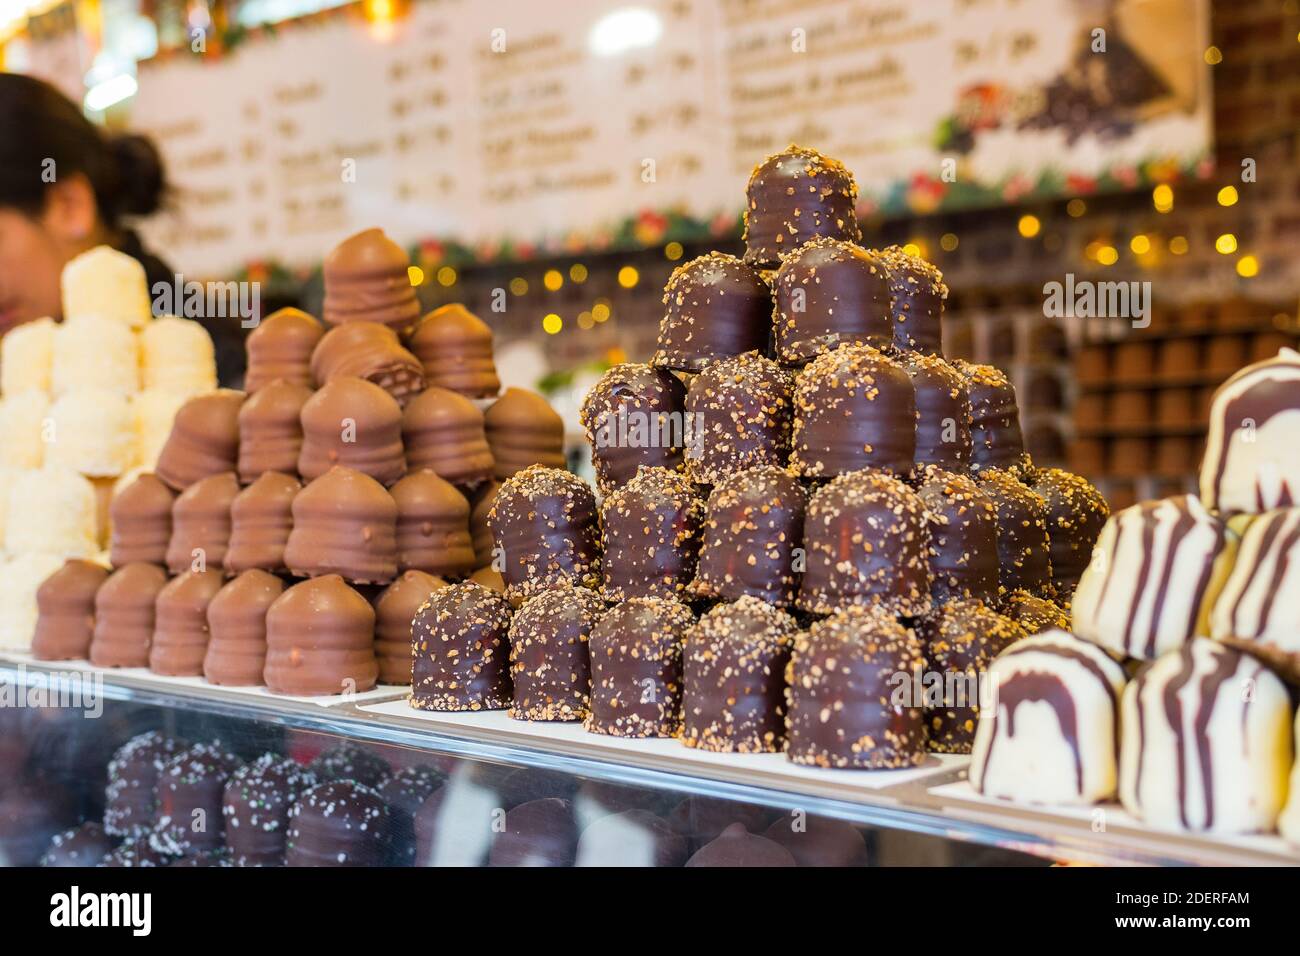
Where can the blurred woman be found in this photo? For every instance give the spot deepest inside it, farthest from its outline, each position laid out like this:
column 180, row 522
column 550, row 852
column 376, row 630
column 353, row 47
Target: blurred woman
column 65, row 187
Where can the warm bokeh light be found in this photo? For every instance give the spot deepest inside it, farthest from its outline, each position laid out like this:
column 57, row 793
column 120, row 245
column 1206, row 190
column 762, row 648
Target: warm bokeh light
column 628, row 277
column 1247, row 267
column 585, row 321
column 416, row 275
column 519, row 286
column 1226, row 244
column 1140, row 244
column 446, row 276
column 1228, row 196
column 552, row 323
column 600, row 311
column 1076, row 208
column 916, row 247
column 1178, row 245
column 1213, row 55
column 1107, row 255
column 673, row 251
column 948, row 242
column 1162, row 197
column 553, row 280
column 1029, row 226
column 578, row 273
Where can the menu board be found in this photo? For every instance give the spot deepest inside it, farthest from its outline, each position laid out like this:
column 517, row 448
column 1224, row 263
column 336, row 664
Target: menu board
column 513, row 127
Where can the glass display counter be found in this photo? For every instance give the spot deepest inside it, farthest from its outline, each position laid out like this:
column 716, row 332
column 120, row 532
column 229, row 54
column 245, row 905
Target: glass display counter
column 502, row 792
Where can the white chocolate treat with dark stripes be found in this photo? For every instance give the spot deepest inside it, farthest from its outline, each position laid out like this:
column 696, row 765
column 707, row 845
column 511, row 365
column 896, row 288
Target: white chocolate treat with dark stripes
column 1153, row 577
column 1288, row 822
column 1252, row 452
column 1206, row 743
column 1258, row 610
column 1050, row 733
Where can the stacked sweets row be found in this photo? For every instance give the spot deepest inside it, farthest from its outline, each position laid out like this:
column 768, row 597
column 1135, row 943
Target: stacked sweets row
column 1173, row 693
column 172, row 803
column 820, row 463
column 86, row 401
column 283, row 528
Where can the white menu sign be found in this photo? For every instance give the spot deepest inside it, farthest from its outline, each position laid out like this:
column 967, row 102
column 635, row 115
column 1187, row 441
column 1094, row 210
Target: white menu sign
column 562, row 126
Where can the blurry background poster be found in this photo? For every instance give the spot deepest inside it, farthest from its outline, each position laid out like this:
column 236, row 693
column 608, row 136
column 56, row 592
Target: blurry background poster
column 505, row 130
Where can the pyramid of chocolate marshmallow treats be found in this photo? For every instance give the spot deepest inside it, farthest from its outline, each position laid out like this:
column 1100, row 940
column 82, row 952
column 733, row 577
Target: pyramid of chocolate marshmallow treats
column 1199, row 597
column 797, row 498
column 288, row 533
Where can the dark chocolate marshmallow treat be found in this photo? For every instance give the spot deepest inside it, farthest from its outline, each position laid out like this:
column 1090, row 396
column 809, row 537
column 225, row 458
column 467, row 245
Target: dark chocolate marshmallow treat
column 1024, row 561
column 943, row 422
column 715, row 307
column 741, row 412
column 830, row 293
column 753, row 523
column 997, row 441
column 405, row 792
column 842, row 680
column 190, row 790
column 256, row 806
column 960, row 640
column 963, row 525
column 734, row 678
column 636, row 669
column 917, row 292
column 132, row 795
column 867, row 543
column 1076, row 513
column 461, row 648
column 545, row 524
column 633, row 416
column 339, row 823
column 793, row 196
column 550, row 661
column 853, row 408
column 651, row 531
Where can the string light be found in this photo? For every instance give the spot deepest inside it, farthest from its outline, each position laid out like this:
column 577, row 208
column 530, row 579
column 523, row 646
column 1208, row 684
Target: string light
column 673, row 251
column 553, row 280
column 1178, row 245
column 1140, row 244
column 552, row 323
column 948, row 241
column 447, row 277
column 1029, row 226
column 600, row 311
column 578, row 273
column 415, row 274
column 585, row 321
column 1162, row 197
column 1076, row 208
column 1107, row 255
column 1226, row 244
column 628, row 277
column 519, row 285
column 1247, row 267
column 1228, row 196
column 1213, row 56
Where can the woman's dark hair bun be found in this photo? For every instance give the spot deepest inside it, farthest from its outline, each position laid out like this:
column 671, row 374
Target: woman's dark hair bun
column 141, row 182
